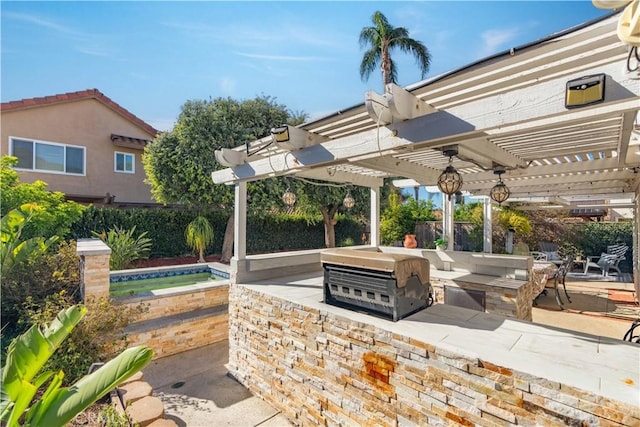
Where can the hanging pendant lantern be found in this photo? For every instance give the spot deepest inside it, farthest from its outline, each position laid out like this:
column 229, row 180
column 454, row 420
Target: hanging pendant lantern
column 450, row 181
column 349, row 201
column 289, row 197
column 500, row 192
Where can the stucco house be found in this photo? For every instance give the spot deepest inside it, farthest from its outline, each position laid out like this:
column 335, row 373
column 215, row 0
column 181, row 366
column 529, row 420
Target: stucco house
column 80, row 143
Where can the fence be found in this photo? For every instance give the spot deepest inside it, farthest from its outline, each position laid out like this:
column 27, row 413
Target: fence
column 428, row 231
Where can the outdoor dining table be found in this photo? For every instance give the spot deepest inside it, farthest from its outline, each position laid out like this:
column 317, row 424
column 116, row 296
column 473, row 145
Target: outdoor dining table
column 540, row 273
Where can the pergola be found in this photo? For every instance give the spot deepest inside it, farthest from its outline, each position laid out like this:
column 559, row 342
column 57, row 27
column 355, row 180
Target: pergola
column 559, row 116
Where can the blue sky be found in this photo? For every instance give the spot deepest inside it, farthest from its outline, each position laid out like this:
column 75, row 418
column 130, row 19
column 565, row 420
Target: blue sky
column 152, row 56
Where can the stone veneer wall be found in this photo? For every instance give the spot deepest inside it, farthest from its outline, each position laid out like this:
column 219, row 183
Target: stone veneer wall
column 175, row 322
column 182, row 335
column 179, row 302
column 319, row 368
column 505, row 301
column 182, row 321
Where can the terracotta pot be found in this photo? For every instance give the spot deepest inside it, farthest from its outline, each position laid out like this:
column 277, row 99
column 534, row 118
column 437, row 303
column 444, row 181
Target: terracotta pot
column 410, row 241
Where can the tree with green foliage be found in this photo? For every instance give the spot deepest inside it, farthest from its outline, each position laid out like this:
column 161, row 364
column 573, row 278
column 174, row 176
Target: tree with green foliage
column 327, row 199
column 381, row 39
column 54, row 216
column 22, row 377
column 399, row 218
column 178, row 163
column 199, row 235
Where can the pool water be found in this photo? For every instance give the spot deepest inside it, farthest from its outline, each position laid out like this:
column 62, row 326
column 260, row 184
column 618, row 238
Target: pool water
column 136, row 286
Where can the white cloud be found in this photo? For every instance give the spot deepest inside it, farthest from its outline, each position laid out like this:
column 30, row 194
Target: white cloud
column 42, row 23
column 495, row 40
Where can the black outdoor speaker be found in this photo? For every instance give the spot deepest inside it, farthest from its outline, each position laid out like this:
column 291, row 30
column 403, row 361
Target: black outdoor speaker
column 586, row 90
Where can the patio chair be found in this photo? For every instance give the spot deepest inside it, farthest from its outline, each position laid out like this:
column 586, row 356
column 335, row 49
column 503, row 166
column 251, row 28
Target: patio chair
column 538, row 256
column 559, row 277
column 551, row 249
column 607, row 261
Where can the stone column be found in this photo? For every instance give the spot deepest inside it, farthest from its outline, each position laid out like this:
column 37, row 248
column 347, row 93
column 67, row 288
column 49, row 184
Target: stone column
column 94, row 268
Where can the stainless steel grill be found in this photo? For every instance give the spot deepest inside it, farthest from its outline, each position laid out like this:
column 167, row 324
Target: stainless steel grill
column 393, row 286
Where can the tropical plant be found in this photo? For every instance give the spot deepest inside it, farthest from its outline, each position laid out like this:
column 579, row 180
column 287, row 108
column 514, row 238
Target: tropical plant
column 14, row 250
column 514, row 221
column 22, row 377
column 199, row 235
column 99, row 337
column 381, row 39
column 441, row 242
column 125, row 248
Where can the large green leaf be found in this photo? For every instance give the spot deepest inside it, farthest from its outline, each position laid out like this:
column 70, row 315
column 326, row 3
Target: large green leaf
column 58, row 407
column 29, row 352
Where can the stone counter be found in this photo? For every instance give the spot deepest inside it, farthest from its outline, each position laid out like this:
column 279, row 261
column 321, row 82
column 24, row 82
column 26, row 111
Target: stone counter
column 323, row 365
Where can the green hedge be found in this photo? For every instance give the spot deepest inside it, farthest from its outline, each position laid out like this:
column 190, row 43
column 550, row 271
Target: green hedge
column 594, row 237
column 166, row 227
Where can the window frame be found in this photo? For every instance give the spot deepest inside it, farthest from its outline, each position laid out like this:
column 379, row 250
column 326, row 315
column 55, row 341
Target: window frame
column 64, row 147
column 125, row 154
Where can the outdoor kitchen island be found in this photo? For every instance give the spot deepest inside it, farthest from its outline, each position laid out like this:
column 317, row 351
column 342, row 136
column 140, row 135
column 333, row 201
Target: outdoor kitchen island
column 325, row 365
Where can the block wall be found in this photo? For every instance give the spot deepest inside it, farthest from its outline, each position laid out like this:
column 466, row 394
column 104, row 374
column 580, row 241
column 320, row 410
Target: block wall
column 319, row 368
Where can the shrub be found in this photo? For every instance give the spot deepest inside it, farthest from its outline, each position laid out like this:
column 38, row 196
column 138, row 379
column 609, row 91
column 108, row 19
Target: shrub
column 24, row 398
column 98, row 338
column 125, row 248
column 401, row 218
column 46, row 274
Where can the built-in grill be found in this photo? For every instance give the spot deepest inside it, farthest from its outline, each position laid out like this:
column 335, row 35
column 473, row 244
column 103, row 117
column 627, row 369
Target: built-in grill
column 389, row 285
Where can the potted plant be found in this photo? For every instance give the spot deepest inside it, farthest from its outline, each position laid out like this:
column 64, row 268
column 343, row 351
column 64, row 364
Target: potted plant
column 567, row 249
column 441, row 243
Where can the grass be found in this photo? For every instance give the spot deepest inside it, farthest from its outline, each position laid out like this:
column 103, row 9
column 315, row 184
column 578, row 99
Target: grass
column 145, row 285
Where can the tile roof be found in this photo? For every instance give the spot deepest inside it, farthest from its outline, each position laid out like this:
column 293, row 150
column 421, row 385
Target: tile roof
column 77, row 96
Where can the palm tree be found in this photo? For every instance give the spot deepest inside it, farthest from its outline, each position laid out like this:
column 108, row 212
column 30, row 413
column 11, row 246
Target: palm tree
column 199, row 235
column 382, row 38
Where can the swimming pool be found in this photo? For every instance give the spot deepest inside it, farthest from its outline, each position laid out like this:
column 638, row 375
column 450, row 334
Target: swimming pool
column 145, row 280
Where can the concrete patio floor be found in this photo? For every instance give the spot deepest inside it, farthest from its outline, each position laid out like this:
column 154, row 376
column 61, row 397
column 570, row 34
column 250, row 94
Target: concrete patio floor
column 603, row 308
column 197, row 391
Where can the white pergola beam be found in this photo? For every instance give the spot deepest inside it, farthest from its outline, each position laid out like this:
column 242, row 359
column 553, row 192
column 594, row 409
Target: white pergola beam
column 560, row 168
column 487, row 154
column 396, row 104
column 405, row 105
column 370, row 143
column 628, row 123
column 398, row 167
column 586, row 179
column 327, row 174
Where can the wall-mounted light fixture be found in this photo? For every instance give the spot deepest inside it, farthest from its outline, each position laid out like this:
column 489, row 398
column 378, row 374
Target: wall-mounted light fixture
column 500, row 192
column 292, row 138
column 348, row 201
column 450, row 181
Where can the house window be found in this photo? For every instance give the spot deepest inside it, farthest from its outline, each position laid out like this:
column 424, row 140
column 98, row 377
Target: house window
column 41, row 156
column 125, row 162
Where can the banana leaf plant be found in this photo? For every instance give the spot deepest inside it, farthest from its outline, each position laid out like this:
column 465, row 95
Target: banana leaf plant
column 14, row 250
column 21, row 376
